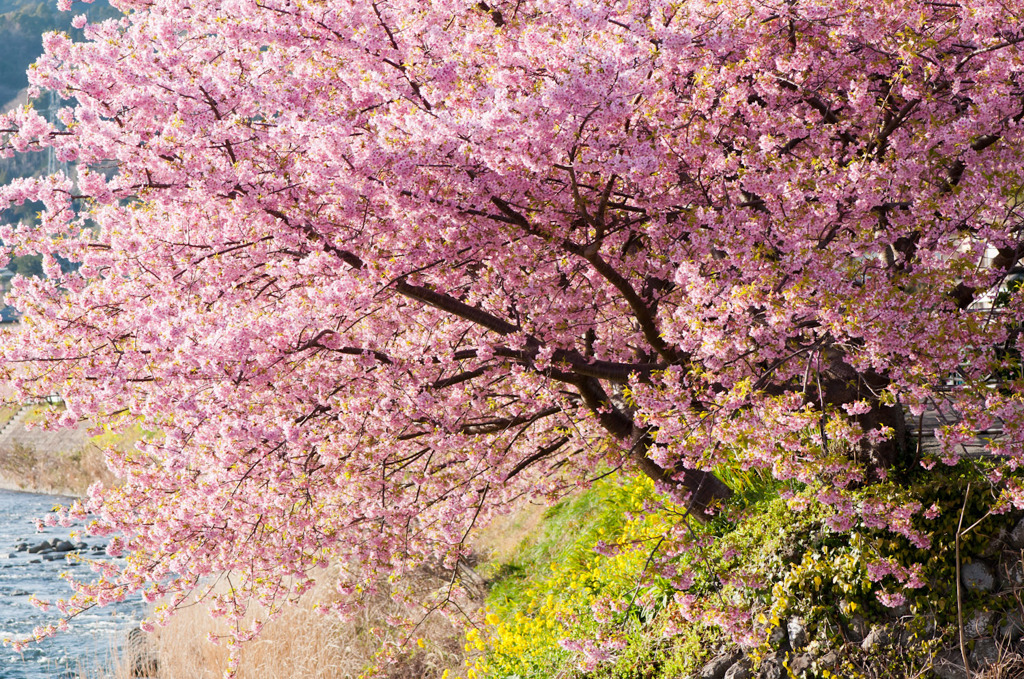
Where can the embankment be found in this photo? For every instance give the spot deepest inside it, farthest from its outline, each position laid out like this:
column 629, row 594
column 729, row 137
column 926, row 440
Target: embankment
column 33, row 458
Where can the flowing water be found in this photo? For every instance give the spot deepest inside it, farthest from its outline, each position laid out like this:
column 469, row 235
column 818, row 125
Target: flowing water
column 92, row 636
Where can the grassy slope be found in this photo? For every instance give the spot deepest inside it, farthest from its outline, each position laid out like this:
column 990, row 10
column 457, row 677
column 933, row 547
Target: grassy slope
column 554, row 587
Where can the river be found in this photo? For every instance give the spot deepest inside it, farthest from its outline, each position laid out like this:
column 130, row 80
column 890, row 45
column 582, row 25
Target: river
column 92, row 636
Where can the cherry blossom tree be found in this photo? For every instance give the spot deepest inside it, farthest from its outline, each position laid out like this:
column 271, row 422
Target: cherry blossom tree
column 375, row 270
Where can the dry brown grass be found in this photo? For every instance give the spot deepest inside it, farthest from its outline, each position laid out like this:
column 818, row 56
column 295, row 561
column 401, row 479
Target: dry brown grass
column 301, row 643
column 503, row 536
column 7, row 413
column 304, row 644
column 64, row 472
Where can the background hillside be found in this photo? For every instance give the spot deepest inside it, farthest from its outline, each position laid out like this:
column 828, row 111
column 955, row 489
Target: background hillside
column 22, row 24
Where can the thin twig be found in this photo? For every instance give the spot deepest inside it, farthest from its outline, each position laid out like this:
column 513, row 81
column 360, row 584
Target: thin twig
column 643, row 571
column 959, row 592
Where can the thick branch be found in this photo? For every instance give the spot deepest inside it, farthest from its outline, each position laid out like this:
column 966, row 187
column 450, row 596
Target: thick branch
column 539, row 455
column 455, row 307
column 596, row 399
column 577, row 363
column 494, row 426
column 491, row 426
column 707, row 492
column 640, row 310
column 642, row 313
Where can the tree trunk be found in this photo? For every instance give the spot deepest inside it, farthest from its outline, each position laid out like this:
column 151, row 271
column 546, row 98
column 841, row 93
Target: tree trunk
column 841, row 383
column 707, row 493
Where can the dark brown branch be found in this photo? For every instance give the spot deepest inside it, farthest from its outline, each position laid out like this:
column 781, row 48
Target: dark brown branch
column 539, row 455
column 315, row 343
column 596, row 399
column 496, row 16
column 359, row 351
column 879, row 143
column 349, row 258
column 494, row 426
column 591, row 254
column 459, row 379
column 706, row 490
column 455, row 307
column 490, row 426
column 956, row 170
column 576, row 363
column 640, row 310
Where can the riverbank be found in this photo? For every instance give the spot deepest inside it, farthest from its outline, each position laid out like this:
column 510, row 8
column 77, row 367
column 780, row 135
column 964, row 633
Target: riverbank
column 63, row 461
column 304, row 643
column 68, row 472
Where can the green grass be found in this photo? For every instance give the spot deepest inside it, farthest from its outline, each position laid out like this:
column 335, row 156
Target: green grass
column 553, row 588
column 37, row 413
column 7, row 414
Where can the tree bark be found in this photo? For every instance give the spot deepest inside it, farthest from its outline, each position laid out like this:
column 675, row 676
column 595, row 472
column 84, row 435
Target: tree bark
column 841, row 383
column 707, row 493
